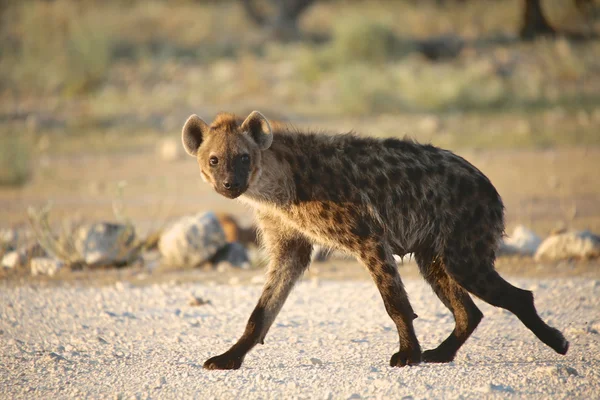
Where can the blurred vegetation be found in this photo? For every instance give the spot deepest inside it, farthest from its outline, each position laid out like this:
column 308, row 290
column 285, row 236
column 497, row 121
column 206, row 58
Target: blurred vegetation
column 15, row 160
column 120, row 68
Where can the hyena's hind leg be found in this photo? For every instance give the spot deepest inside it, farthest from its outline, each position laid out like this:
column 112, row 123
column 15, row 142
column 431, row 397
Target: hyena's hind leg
column 471, row 265
column 379, row 261
column 466, row 314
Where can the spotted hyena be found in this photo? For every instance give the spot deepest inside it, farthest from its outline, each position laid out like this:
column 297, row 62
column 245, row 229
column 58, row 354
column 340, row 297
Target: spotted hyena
column 372, row 198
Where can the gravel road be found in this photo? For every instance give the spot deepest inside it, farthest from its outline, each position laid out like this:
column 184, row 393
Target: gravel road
column 333, row 339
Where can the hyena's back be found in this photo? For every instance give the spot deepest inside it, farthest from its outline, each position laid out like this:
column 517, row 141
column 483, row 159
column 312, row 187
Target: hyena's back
column 422, row 195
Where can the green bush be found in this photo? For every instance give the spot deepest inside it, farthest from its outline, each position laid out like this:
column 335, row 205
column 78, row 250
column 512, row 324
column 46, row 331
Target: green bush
column 59, row 47
column 15, row 160
column 364, row 91
column 361, row 40
column 440, row 87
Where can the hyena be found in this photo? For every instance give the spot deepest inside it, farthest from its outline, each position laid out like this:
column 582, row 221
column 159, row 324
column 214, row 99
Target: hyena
column 372, row 198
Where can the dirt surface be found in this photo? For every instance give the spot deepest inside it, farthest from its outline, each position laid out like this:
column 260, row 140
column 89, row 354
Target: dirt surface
column 333, row 340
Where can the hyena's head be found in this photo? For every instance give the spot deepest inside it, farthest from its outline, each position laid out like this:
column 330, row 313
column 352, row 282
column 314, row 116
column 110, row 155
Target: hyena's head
column 228, row 150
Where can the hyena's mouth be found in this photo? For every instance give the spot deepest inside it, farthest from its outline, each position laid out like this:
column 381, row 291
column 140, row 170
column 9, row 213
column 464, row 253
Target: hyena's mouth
column 232, row 194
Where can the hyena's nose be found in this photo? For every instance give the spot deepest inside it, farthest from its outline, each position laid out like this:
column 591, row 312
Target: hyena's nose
column 231, row 185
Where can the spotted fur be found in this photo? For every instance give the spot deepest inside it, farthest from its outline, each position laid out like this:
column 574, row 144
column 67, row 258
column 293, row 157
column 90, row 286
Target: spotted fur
column 372, row 198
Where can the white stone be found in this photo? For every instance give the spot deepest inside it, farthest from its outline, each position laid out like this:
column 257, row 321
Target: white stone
column 192, row 240
column 8, row 238
column 232, row 254
column 45, row 266
column 523, row 241
column 105, row 243
column 170, row 149
column 569, row 245
column 12, row 259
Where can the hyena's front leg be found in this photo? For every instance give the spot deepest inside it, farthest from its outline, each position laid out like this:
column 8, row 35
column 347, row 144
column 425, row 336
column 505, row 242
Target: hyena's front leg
column 378, row 259
column 290, row 256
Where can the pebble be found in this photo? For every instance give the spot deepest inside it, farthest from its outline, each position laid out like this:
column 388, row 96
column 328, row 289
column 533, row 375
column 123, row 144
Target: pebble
column 122, row 286
column 316, row 361
column 160, row 382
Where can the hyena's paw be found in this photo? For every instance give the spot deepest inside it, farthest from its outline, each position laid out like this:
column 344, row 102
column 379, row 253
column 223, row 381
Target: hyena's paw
column 438, row 355
column 224, row 361
column 406, row 357
column 555, row 339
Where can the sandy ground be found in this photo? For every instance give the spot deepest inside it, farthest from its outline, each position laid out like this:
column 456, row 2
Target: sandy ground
column 333, row 339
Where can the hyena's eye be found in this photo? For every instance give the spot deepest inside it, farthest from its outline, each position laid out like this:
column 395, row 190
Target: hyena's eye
column 245, row 158
column 213, row 160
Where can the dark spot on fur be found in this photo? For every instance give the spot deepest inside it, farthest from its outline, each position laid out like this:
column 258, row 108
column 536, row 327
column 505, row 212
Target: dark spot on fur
column 377, row 163
column 290, row 159
column 414, row 174
column 381, row 252
column 328, row 151
column 479, row 247
column 300, row 162
column 279, row 157
column 381, row 180
column 327, row 169
column 465, row 186
column 390, row 159
column 347, row 164
column 477, row 213
column 361, row 228
column 338, row 216
column 451, row 179
column 314, row 162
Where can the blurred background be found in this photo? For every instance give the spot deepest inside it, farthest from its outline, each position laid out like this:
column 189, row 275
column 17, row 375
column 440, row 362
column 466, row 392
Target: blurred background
column 93, row 95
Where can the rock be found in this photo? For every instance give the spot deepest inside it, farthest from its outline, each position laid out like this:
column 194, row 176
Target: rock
column 105, row 243
column 559, row 370
column 20, row 257
column 236, row 233
column 501, row 388
column 170, row 149
column 441, row 47
column 13, row 259
column 32, row 250
column 160, row 382
column 522, row 241
column 45, row 266
column 9, row 239
column 192, row 240
column 151, row 241
column 233, row 254
column 569, row 245
column 316, row 361
column 196, row 301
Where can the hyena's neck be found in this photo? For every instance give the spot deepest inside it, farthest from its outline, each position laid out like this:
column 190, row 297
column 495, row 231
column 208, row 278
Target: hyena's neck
column 274, row 187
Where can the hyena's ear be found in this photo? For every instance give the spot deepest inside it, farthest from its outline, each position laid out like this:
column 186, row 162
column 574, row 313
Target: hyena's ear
column 257, row 126
column 192, row 134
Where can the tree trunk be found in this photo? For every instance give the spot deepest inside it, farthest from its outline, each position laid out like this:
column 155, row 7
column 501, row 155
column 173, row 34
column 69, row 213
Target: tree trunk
column 284, row 24
column 534, row 22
